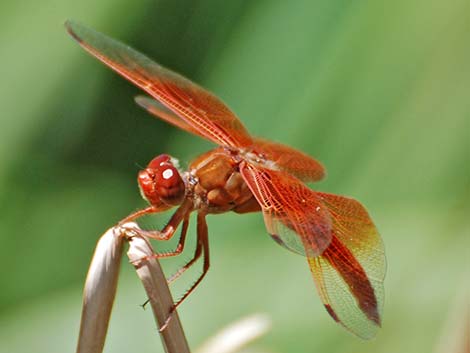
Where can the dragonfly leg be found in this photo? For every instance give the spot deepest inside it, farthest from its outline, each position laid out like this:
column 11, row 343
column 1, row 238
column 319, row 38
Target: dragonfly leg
column 203, row 242
column 182, row 269
column 180, row 246
column 169, row 230
column 202, row 248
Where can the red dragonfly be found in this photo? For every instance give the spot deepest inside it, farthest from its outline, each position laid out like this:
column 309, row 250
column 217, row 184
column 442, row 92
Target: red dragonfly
column 248, row 174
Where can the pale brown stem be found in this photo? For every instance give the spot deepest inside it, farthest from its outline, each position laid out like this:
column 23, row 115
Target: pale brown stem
column 99, row 292
column 148, row 269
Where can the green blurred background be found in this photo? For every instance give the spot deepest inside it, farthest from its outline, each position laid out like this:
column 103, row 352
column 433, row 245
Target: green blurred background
column 377, row 91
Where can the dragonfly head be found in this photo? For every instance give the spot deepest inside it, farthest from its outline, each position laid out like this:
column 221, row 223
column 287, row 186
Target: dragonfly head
column 161, row 182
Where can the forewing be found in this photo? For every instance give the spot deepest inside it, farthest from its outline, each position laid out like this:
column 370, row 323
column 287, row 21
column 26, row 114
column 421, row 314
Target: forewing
column 349, row 274
column 294, row 215
column 291, row 160
column 197, row 107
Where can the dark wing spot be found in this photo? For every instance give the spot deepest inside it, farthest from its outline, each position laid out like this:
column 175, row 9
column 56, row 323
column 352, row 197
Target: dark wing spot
column 331, row 312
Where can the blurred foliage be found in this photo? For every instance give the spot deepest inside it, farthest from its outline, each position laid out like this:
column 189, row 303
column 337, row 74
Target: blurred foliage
column 377, row 91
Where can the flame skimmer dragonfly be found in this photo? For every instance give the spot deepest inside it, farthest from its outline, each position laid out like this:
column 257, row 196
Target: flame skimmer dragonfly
column 247, row 174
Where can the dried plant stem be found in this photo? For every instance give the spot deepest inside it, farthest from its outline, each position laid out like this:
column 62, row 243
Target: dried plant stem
column 150, row 273
column 99, row 292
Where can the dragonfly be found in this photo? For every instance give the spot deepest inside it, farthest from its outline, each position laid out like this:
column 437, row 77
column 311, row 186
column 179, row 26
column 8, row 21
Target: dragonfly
column 247, row 174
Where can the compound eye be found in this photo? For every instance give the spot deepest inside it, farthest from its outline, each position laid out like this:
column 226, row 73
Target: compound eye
column 167, row 176
column 159, row 161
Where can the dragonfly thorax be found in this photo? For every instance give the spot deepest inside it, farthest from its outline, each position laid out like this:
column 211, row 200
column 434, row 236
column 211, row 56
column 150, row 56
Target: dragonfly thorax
column 220, row 186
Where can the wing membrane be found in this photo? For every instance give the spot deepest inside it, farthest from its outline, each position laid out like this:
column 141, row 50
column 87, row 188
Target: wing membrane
column 293, row 214
column 197, row 107
column 291, row 160
column 342, row 245
column 349, row 274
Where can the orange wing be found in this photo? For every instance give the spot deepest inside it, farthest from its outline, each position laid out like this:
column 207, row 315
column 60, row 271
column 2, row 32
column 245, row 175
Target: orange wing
column 199, row 108
column 291, row 160
column 342, row 245
column 349, row 274
column 294, row 215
